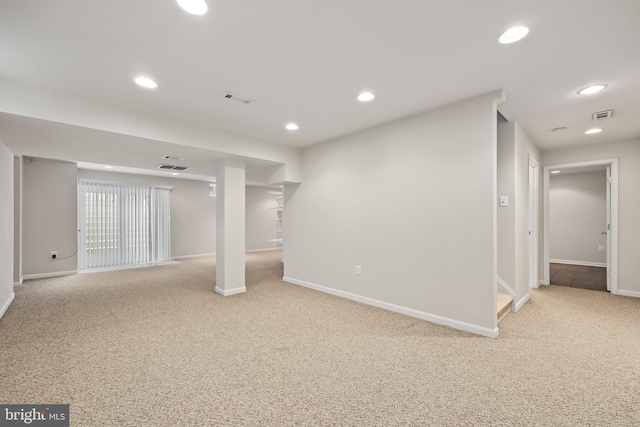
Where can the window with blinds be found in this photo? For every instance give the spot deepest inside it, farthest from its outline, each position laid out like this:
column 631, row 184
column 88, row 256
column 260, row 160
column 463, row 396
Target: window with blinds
column 122, row 224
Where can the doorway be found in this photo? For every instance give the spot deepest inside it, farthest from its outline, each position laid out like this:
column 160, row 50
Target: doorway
column 610, row 228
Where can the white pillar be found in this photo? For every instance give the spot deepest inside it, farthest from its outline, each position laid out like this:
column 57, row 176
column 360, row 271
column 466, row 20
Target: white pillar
column 230, row 227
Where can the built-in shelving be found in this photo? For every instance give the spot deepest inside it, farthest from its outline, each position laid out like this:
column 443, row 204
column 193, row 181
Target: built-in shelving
column 279, row 198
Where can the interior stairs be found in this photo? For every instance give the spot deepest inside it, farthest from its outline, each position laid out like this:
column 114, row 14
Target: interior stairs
column 504, row 305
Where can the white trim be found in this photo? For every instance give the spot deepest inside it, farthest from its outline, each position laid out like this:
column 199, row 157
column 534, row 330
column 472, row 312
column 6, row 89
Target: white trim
column 629, row 293
column 455, row 324
column 175, row 258
column 6, row 305
column 584, row 263
column 226, row 293
column 525, row 299
column 47, row 275
column 506, row 286
column 613, row 162
column 126, row 267
column 263, row 250
column 17, row 283
column 540, row 282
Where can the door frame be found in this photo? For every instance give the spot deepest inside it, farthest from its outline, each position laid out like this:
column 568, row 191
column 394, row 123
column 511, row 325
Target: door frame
column 612, row 261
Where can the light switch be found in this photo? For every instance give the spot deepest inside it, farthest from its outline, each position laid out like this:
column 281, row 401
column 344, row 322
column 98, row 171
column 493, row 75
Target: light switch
column 504, row 201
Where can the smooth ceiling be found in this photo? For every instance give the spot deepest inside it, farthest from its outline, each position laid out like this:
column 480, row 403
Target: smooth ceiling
column 306, row 61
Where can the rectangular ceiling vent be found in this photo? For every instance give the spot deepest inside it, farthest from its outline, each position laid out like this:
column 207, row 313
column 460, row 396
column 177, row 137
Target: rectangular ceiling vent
column 171, row 167
column 602, row 115
column 237, row 98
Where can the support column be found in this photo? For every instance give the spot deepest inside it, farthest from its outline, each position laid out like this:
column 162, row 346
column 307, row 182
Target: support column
column 230, row 227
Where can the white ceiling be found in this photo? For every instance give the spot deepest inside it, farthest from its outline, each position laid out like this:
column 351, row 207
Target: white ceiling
column 306, row 61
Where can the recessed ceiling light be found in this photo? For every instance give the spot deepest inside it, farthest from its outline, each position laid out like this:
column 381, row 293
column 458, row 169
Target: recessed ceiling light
column 146, row 82
column 591, row 89
column 559, row 129
column 366, row 97
column 292, row 126
column 175, row 173
column 108, row 167
column 194, row 7
column 555, row 171
column 514, row 34
column 592, row 131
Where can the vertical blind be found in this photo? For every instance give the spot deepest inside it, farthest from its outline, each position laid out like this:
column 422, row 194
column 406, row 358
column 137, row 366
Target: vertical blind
column 122, row 224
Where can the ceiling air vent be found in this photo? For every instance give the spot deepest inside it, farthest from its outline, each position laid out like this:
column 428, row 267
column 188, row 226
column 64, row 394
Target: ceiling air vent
column 172, row 167
column 237, row 98
column 602, row 115
column 166, row 157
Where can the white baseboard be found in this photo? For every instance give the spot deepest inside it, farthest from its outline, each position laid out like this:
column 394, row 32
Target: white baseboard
column 629, row 293
column 6, row 305
column 227, row 292
column 455, row 324
column 522, row 302
column 18, row 283
column 584, row 263
column 47, row 275
column 213, row 254
column 263, row 250
column 175, row 258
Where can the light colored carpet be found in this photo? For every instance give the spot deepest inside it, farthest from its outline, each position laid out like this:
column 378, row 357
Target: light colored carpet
column 157, row 347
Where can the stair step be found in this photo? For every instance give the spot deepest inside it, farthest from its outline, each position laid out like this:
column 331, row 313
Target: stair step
column 504, row 305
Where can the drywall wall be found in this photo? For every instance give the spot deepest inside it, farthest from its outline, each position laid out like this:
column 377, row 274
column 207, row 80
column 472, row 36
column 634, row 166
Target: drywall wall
column 261, row 218
column 49, row 217
column 628, row 155
column 413, row 203
column 506, row 214
column 525, row 149
column 6, row 229
column 17, row 220
column 193, row 213
column 577, row 216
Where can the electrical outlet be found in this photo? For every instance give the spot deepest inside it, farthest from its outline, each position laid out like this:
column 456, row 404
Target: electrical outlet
column 358, row 270
column 54, row 254
column 600, row 248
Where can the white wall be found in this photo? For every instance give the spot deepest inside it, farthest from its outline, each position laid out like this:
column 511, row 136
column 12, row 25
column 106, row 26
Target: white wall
column 577, row 216
column 193, row 211
column 628, row 154
column 6, row 228
column 525, row 148
column 17, row 220
column 506, row 215
column 49, row 217
column 413, row 202
column 50, row 214
column 261, row 219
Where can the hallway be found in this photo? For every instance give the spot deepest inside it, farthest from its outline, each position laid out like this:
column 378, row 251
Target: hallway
column 579, row 276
